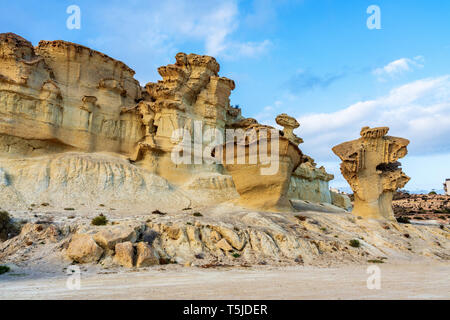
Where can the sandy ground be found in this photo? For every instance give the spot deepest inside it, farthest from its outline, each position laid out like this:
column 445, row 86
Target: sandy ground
column 398, row 281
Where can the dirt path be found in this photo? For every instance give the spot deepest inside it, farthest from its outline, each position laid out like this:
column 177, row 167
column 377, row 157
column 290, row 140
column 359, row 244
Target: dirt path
column 408, row 281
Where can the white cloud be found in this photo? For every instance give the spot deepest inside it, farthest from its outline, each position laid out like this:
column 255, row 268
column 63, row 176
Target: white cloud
column 161, row 27
column 419, row 111
column 398, row 67
column 250, row 49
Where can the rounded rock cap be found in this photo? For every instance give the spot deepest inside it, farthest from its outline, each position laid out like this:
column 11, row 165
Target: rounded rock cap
column 287, row 121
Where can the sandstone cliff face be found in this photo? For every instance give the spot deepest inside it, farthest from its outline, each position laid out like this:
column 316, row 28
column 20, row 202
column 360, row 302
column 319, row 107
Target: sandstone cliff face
column 76, row 126
column 83, row 181
column 65, row 94
column 189, row 102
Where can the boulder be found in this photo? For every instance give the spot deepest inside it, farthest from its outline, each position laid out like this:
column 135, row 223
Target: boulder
column 341, row 200
column 231, row 237
column 224, row 245
column 108, row 238
column 124, row 254
column 83, row 249
column 146, row 256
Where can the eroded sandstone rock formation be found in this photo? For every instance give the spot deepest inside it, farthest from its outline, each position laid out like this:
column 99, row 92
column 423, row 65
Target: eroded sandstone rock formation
column 310, row 183
column 261, row 167
column 370, row 166
column 62, row 96
column 190, row 100
column 76, row 129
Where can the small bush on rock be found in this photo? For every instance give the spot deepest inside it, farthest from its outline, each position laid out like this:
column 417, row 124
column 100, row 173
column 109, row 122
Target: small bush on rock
column 158, row 212
column 99, row 220
column 6, row 226
column 355, row 243
column 4, row 269
column 375, row 261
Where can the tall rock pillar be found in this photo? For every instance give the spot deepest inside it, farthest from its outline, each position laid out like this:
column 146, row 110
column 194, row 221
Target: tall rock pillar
column 370, row 166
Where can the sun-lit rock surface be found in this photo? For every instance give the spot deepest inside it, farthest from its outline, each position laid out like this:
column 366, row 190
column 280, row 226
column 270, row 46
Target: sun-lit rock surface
column 370, row 166
column 79, row 137
column 76, row 127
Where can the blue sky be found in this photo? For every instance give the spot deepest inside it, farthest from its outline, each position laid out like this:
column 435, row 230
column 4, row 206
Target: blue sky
column 313, row 59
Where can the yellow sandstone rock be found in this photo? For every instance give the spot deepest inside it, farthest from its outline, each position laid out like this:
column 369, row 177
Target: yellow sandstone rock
column 224, row 245
column 108, row 237
column 76, row 127
column 370, row 166
column 145, row 255
column 83, row 249
column 124, row 254
column 261, row 167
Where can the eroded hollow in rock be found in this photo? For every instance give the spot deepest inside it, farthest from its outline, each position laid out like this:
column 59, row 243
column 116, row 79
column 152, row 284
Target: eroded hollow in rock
column 389, row 167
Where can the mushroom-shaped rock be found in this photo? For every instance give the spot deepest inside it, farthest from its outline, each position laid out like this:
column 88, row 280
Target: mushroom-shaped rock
column 261, row 164
column 369, row 164
column 289, row 124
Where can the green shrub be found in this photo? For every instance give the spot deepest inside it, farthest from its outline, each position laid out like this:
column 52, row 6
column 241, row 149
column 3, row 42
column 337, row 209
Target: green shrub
column 432, row 193
column 158, row 212
column 236, row 255
column 69, row 209
column 4, row 269
column 375, row 261
column 354, row 243
column 6, row 226
column 99, row 220
column 197, row 214
column 4, row 218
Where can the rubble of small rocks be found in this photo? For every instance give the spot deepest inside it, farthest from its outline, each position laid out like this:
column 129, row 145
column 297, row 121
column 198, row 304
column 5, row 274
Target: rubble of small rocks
column 422, row 206
column 222, row 236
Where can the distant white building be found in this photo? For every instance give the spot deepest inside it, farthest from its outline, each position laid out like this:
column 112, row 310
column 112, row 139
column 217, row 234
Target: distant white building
column 447, row 187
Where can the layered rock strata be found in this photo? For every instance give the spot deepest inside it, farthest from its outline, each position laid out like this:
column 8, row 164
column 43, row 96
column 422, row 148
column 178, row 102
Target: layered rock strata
column 76, row 129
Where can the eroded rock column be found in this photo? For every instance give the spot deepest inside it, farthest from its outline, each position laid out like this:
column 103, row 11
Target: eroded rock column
column 262, row 162
column 370, row 166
